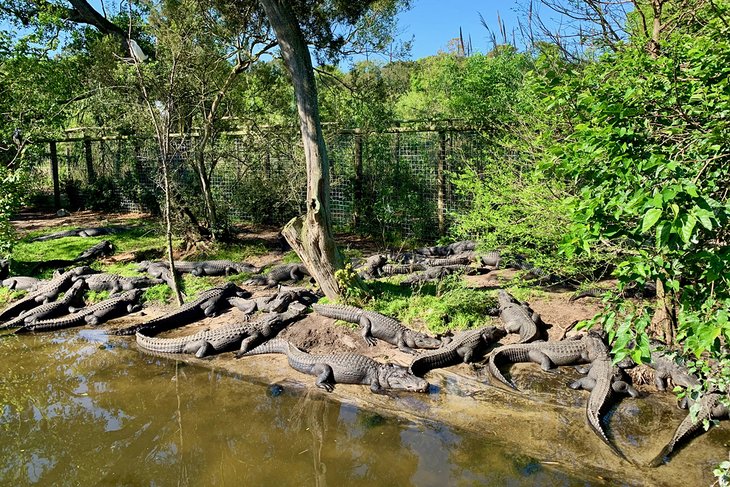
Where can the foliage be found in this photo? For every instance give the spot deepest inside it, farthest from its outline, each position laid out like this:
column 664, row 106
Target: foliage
column 449, row 306
column 650, row 161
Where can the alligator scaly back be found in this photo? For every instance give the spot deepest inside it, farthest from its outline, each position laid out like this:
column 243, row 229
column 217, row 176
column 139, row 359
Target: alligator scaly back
column 467, row 346
column 344, row 368
column 376, row 326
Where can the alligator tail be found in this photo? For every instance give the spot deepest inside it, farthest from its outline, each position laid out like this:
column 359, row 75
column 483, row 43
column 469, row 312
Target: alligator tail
column 338, row 312
column 686, row 428
column 514, row 355
column 595, row 425
column 275, row 345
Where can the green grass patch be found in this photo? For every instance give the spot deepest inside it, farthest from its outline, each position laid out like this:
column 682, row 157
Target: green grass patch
column 291, row 257
column 8, row 295
column 26, row 253
column 93, row 297
column 192, row 286
column 161, row 293
column 448, row 306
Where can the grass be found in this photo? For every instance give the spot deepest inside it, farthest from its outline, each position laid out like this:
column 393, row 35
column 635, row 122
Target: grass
column 449, row 306
column 145, row 237
column 26, row 253
column 6, row 296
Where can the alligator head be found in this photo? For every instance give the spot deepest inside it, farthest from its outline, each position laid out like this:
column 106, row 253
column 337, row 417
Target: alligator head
column 492, row 334
column 392, row 376
column 424, row 341
column 504, row 298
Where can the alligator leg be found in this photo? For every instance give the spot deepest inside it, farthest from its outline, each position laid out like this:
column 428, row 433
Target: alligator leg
column 624, row 388
column 325, row 377
column 365, row 323
column 660, row 379
column 583, row 369
column 585, row 383
column 91, row 319
column 376, row 388
column 540, row 358
column 204, row 349
column 403, row 346
column 247, row 342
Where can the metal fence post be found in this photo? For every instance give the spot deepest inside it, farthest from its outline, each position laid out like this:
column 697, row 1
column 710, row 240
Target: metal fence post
column 441, row 183
column 90, row 175
column 357, row 183
column 54, row 175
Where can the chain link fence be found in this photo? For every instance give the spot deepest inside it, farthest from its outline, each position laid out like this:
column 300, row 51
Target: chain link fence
column 395, row 183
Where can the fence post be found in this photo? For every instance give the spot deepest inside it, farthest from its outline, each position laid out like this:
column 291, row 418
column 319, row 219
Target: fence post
column 54, row 175
column 357, row 183
column 441, row 182
column 90, row 175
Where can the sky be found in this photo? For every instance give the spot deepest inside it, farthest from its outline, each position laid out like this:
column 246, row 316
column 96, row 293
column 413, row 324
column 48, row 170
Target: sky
column 434, row 22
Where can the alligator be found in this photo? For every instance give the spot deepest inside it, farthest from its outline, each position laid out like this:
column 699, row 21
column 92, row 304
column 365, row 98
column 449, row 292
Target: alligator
column 549, row 354
column 466, row 347
column 446, row 250
column 46, row 291
column 711, row 407
column 391, row 269
column 518, row 317
column 344, row 368
column 490, row 259
column 156, row 270
column 376, row 326
column 82, row 232
column 94, row 315
column 373, row 266
column 224, row 337
column 432, row 274
column 602, row 380
column 212, row 267
column 102, row 249
column 273, row 304
column 458, row 259
column 206, row 305
column 281, row 273
column 48, row 310
column 21, row 283
column 667, row 365
column 115, row 283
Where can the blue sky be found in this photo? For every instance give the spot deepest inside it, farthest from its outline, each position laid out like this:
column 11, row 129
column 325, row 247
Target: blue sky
column 435, row 22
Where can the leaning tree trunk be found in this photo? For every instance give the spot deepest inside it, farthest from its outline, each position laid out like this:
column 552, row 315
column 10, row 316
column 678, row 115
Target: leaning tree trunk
column 664, row 321
column 311, row 235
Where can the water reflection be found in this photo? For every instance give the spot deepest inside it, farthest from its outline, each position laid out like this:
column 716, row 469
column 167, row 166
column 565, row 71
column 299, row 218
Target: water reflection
column 79, row 410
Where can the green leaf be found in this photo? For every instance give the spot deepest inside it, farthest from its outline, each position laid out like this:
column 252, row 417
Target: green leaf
column 650, row 218
column 663, row 231
column 687, row 228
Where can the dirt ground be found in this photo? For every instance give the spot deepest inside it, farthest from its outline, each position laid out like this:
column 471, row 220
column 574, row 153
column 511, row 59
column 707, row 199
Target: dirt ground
column 315, row 333
column 547, row 423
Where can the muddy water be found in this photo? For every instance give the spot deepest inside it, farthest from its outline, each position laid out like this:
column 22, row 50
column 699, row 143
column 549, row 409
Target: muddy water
column 78, row 409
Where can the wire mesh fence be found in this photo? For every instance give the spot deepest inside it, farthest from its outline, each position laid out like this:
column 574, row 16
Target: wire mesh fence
column 393, row 183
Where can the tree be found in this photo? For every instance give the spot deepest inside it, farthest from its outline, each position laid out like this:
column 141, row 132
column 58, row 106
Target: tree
column 311, row 236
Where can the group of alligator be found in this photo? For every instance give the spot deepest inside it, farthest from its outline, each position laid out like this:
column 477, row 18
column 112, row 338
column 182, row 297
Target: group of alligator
column 50, row 305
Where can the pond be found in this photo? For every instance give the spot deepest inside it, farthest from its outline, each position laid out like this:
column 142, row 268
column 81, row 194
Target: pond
column 79, row 409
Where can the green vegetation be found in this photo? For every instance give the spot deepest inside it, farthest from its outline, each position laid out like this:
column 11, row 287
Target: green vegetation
column 449, row 306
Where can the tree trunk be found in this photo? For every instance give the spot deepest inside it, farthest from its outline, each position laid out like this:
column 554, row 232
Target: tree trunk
column 310, row 236
column 664, row 320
